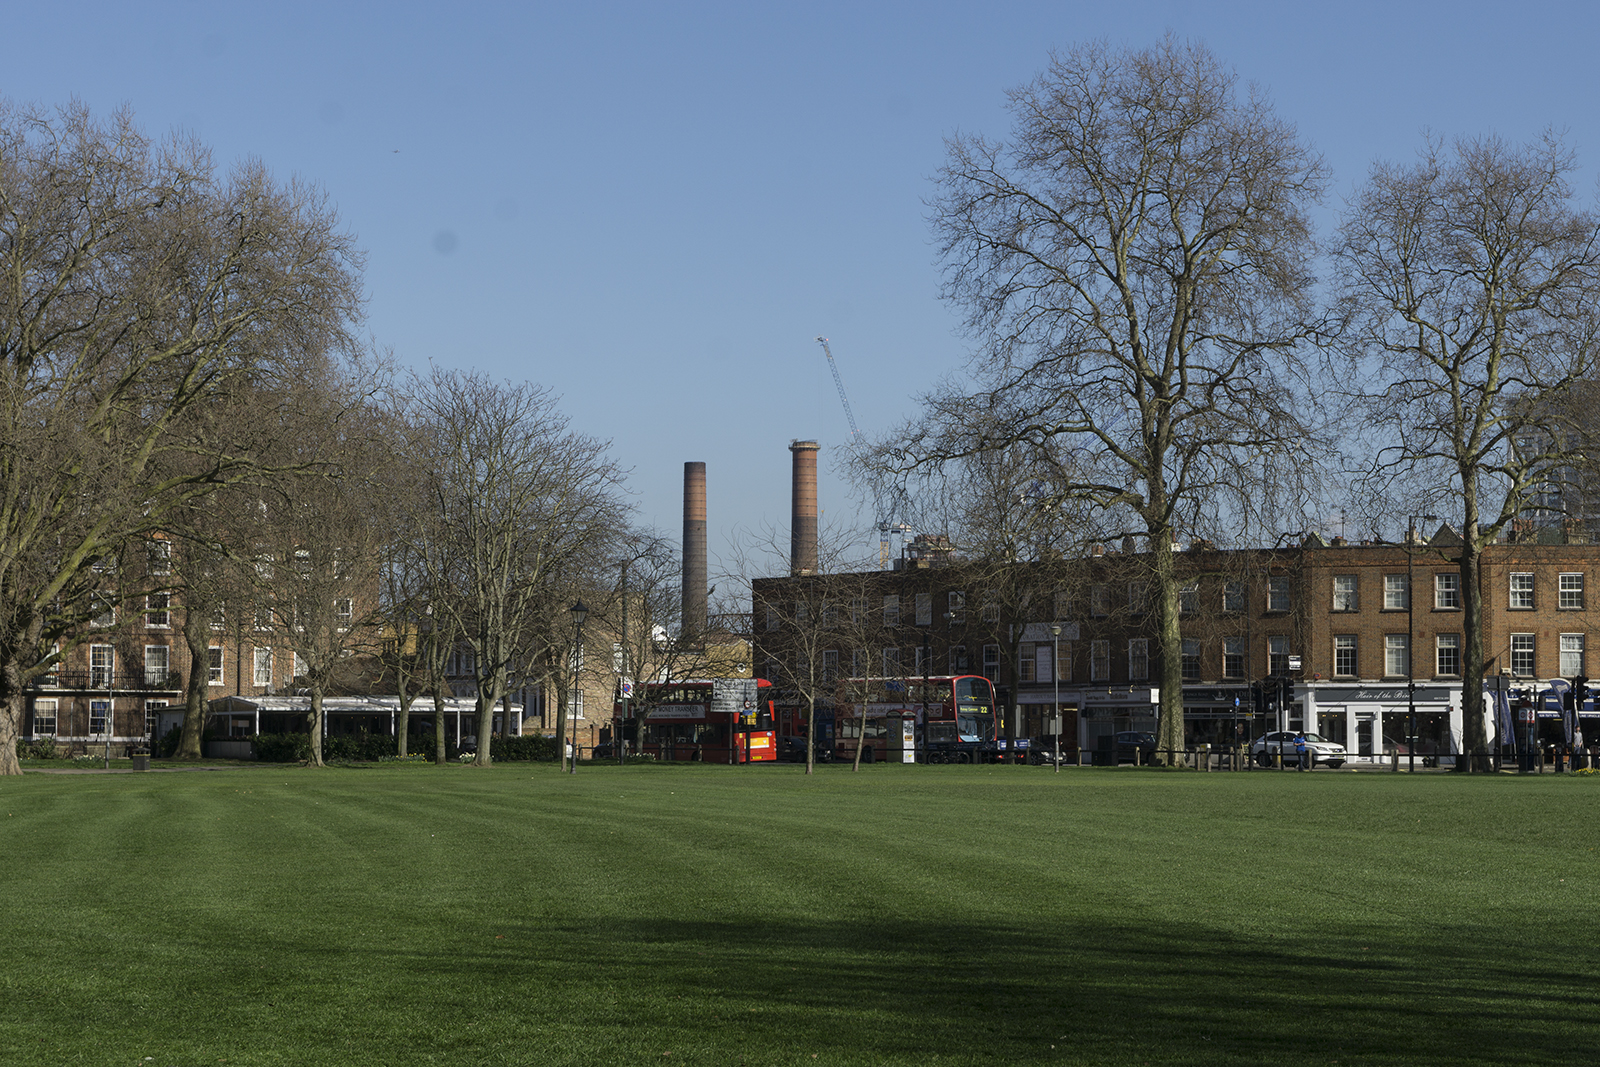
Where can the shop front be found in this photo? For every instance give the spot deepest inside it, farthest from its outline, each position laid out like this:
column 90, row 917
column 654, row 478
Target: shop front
column 1376, row 723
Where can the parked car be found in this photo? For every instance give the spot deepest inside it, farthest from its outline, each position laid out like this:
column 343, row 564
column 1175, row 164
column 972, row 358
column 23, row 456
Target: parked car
column 1319, row 750
column 792, row 749
column 1136, row 746
column 1042, row 751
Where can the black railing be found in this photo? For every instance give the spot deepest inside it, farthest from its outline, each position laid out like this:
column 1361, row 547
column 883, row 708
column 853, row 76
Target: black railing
column 93, row 680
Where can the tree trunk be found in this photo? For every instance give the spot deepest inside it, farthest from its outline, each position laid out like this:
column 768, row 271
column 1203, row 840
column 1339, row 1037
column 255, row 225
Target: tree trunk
column 1474, row 737
column 1169, row 644
column 10, row 720
column 811, row 735
column 196, row 634
column 316, row 728
column 438, row 726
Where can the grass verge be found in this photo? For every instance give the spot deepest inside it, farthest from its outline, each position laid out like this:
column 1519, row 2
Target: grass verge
column 713, row 915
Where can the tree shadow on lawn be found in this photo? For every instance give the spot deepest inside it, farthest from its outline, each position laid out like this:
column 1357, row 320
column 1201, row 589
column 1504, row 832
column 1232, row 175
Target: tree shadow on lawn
column 991, row 993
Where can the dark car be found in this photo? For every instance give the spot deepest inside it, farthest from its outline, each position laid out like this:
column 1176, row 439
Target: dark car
column 792, row 749
column 1136, row 746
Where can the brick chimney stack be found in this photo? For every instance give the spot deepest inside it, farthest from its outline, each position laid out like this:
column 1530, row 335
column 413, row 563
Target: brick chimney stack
column 694, row 549
column 803, row 510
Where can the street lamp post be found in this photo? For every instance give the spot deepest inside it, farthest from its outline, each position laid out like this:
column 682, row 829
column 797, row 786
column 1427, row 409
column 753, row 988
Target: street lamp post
column 580, row 614
column 1055, row 682
column 1411, row 652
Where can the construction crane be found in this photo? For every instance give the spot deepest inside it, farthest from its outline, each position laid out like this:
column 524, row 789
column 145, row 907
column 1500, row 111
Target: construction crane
column 855, row 431
column 885, row 527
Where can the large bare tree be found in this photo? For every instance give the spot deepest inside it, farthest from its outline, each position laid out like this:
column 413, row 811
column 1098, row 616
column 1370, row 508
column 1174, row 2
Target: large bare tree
column 1135, row 265
column 1471, row 277
column 521, row 511
column 136, row 285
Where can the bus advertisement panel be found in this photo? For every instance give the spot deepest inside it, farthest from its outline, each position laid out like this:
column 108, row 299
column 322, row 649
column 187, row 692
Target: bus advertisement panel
column 711, row 720
column 950, row 719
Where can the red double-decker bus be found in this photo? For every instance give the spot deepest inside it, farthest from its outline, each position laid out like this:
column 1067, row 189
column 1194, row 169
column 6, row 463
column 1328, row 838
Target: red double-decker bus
column 949, row 719
column 714, row 720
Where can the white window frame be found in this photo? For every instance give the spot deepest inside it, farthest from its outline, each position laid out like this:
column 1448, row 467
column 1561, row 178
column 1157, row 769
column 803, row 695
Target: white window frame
column 1447, row 591
column 830, row 665
column 102, row 717
column 991, row 662
column 1569, row 595
column 1099, row 661
column 215, row 670
column 1396, row 592
column 1189, row 598
column 956, row 602
column 157, row 665
column 102, row 666
column 158, row 611
column 1234, row 597
column 1572, row 656
column 1524, row 655
column 1278, row 654
column 1233, row 657
column 46, row 711
column 1345, row 590
column 344, row 611
column 1346, row 656
column 891, row 663
column 1278, row 594
column 1396, row 656
column 1446, row 651
column 924, row 609
column 891, row 610
column 1189, row 662
column 958, row 659
column 261, row 663
column 1519, row 594
column 1138, row 659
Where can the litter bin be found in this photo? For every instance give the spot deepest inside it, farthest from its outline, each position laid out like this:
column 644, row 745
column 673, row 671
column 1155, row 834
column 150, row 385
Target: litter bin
column 140, row 760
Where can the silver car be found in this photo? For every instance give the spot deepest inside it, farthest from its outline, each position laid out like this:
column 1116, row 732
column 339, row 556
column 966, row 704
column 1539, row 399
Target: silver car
column 1285, row 743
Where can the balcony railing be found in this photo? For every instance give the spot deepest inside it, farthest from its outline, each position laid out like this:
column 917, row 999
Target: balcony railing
column 97, row 681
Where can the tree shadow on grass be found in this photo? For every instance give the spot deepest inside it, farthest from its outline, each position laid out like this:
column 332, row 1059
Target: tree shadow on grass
column 991, row 993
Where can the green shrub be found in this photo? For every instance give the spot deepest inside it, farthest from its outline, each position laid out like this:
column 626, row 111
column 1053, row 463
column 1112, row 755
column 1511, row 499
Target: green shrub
column 168, row 745
column 535, row 747
column 361, row 747
column 42, row 748
column 281, row 748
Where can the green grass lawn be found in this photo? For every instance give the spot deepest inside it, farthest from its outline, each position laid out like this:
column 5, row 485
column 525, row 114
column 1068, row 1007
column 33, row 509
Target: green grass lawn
column 715, row 915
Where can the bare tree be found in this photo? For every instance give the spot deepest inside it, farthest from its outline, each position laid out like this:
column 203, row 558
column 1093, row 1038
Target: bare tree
column 1135, row 265
column 136, row 285
column 1471, row 277
column 520, row 510
column 808, row 629
column 323, row 529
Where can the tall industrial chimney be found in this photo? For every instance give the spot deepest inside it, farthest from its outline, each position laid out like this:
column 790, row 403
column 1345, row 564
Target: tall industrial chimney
column 694, row 550
column 803, row 510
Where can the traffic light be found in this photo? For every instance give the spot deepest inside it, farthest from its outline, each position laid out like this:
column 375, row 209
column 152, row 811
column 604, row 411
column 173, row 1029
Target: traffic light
column 1258, row 698
column 1580, row 693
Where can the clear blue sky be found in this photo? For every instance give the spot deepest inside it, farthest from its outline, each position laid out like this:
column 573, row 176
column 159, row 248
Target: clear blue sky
column 652, row 208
